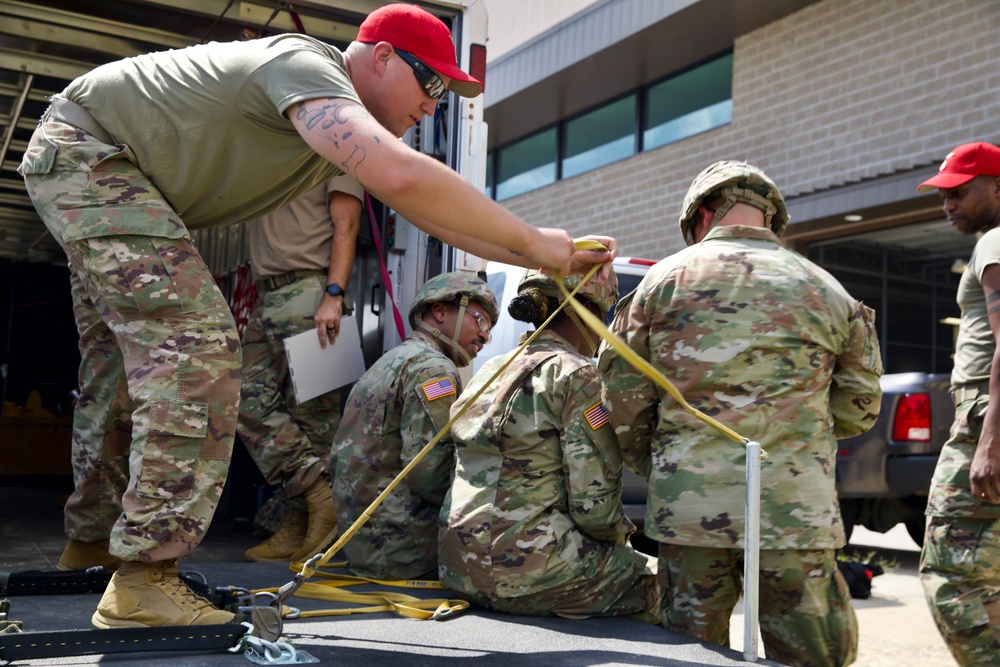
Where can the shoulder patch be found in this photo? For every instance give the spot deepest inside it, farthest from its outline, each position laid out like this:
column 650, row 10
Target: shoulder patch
column 596, row 416
column 439, row 388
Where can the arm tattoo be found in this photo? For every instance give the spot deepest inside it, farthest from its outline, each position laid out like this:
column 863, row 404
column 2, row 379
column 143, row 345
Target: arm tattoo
column 993, row 303
column 330, row 113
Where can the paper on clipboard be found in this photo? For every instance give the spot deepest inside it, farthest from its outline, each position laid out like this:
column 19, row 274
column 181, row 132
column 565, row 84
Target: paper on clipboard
column 315, row 371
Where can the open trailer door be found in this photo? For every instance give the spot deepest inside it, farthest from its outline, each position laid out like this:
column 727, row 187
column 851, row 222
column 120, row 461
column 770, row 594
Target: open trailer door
column 45, row 44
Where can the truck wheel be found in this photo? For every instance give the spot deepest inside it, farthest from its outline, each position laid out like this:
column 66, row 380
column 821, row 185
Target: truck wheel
column 848, row 530
column 849, row 511
column 915, row 527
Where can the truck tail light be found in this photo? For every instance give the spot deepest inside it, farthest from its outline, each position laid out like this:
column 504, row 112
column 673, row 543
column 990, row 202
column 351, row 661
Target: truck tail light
column 913, row 418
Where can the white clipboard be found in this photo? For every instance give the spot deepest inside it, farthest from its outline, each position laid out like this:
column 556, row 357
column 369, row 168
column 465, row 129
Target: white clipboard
column 315, row 371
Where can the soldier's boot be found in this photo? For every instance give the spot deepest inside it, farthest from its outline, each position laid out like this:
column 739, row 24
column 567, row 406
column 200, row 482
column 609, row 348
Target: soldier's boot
column 153, row 595
column 322, row 529
column 84, row 555
column 285, row 541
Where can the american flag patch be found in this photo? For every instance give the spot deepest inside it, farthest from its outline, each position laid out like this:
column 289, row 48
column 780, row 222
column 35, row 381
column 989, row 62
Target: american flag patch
column 596, row 416
column 437, row 388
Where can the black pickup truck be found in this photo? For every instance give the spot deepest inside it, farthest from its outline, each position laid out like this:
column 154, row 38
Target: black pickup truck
column 883, row 475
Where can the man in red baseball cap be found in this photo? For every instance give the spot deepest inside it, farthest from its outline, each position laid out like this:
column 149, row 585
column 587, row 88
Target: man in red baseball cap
column 412, row 30
column 133, row 155
column 963, row 164
column 960, row 562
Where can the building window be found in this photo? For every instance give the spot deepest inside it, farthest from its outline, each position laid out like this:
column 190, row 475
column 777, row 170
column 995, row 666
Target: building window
column 599, row 137
column 527, row 165
column 489, row 175
column 701, row 99
column 682, row 106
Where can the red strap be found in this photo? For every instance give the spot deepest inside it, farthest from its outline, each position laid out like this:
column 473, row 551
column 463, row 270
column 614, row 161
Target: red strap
column 377, row 238
column 297, row 21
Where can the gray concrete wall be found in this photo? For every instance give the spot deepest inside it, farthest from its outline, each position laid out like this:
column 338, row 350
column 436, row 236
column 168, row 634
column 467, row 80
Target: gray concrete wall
column 842, row 91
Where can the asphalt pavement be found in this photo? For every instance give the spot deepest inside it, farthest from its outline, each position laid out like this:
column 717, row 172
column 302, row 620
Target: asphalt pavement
column 895, row 624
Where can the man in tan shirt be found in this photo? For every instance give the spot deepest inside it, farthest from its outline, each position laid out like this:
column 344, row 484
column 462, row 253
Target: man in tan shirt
column 301, row 257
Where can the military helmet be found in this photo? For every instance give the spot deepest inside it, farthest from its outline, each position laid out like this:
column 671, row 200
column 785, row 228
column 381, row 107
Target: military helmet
column 603, row 296
column 450, row 287
column 737, row 182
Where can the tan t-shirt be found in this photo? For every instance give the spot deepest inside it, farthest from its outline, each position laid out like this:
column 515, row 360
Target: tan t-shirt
column 207, row 123
column 298, row 236
column 975, row 344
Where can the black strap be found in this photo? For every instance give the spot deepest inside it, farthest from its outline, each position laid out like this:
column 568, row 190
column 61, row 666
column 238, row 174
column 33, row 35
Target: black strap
column 43, row 582
column 94, row 580
column 63, row 643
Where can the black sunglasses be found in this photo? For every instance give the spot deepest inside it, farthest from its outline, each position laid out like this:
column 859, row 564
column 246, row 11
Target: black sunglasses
column 431, row 82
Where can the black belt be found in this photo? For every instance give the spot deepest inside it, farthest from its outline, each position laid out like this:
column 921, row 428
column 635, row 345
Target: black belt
column 274, row 282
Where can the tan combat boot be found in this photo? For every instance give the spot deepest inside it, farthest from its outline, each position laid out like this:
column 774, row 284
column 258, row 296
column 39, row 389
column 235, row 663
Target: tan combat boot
column 286, row 540
column 84, row 555
column 152, row 595
column 322, row 520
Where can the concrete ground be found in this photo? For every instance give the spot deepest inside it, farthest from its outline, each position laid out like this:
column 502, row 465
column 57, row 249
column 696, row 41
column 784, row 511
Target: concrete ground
column 895, row 628
column 895, row 624
column 31, row 537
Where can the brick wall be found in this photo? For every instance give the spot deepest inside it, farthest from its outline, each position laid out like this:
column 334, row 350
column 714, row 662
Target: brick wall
column 840, row 92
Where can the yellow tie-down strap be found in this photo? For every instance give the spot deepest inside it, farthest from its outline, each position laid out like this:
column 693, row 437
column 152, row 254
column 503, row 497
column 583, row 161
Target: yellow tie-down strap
column 412, row 607
column 629, row 355
column 331, row 588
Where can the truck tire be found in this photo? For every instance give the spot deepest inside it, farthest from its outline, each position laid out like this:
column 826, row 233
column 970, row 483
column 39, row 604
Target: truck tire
column 915, row 527
column 849, row 510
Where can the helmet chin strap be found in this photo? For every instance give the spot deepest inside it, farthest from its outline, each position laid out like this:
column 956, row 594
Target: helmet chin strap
column 454, row 350
column 735, row 194
column 585, row 331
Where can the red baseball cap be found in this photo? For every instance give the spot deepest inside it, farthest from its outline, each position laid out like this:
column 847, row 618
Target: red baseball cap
column 963, row 164
column 409, row 28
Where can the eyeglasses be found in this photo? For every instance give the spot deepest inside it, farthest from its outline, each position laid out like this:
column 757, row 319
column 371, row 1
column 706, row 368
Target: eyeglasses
column 484, row 323
column 431, row 82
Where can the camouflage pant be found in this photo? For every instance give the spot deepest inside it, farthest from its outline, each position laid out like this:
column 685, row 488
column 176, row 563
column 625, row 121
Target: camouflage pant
column 960, row 572
column 103, row 415
column 615, row 591
column 160, row 358
column 806, row 617
column 290, row 442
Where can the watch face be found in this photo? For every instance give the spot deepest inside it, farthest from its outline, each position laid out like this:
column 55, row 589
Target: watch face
column 333, row 289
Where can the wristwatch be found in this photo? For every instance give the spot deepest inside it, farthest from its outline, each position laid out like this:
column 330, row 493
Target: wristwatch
column 333, row 289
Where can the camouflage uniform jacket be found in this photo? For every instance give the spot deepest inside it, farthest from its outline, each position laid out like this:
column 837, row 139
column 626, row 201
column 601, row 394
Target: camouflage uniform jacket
column 395, row 409
column 767, row 343
column 537, row 492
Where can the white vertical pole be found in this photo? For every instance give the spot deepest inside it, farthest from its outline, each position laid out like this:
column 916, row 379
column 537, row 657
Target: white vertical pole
column 751, row 553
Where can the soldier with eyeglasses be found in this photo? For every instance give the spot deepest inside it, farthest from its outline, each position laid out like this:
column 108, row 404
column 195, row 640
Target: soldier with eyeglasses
column 395, row 409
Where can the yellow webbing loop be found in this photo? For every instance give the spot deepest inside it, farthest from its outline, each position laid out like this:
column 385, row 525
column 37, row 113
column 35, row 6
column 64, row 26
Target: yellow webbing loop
column 331, row 589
